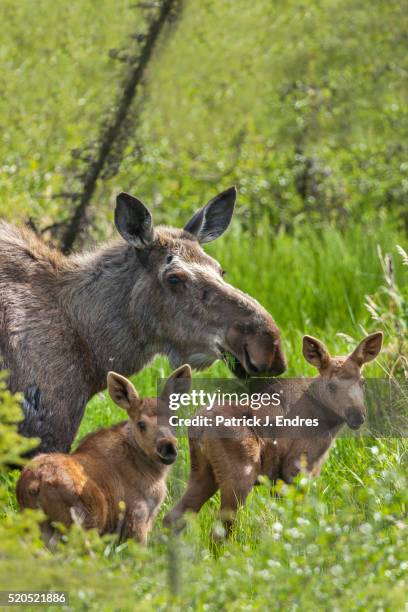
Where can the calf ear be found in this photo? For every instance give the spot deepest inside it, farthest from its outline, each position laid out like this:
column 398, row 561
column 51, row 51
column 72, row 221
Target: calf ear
column 315, row 352
column 179, row 382
column 213, row 219
column 123, row 393
column 133, row 221
column 368, row 349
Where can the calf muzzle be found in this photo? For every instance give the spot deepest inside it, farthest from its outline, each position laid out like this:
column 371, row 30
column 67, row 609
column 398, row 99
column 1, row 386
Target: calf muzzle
column 354, row 418
column 167, row 451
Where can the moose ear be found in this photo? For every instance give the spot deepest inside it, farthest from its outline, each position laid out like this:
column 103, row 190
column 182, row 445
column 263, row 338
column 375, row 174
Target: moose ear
column 213, row 219
column 368, row 349
column 315, row 352
column 179, row 382
column 123, row 393
column 133, row 221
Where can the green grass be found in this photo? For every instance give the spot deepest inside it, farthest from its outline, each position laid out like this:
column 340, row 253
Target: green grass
column 236, row 93
column 57, row 83
column 248, row 94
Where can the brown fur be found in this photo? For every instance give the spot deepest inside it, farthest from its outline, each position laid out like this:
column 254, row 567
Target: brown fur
column 112, row 467
column 66, row 321
column 234, row 464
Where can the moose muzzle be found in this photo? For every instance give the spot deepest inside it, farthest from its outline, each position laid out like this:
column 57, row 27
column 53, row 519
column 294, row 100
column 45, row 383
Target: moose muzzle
column 256, row 349
column 167, row 450
column 354, row 418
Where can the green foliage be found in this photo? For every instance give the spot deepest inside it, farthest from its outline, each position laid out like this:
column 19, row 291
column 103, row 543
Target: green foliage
column 57, row 83
column 12, row 445
column 338, row 542
column 389, row 308
column 301, row 104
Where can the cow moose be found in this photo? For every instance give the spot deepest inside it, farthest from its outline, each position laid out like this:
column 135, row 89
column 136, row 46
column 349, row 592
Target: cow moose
column 115, row 481
column 65, row 321
column 233, row 464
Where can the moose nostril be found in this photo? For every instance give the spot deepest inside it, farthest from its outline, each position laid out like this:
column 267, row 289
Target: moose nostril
column 279, row 364
column 251, row 365
column 278, row 368
column 167, row 449
column 354, row 418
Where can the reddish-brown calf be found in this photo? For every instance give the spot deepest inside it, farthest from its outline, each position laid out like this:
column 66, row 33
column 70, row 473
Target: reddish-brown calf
column 115, row 481
column 233, row 464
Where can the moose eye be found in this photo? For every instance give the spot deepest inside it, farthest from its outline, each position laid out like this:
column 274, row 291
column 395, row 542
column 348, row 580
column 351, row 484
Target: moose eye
column 332, row 387
column 141, row 425
column 173, row 279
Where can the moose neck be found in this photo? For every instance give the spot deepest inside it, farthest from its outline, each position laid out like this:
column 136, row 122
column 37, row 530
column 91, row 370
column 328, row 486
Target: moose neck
column 104, row 297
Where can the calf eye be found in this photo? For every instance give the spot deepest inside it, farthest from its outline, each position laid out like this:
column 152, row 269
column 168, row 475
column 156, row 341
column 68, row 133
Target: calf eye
column 332, row 387
column 169, row 259
column 141, row 425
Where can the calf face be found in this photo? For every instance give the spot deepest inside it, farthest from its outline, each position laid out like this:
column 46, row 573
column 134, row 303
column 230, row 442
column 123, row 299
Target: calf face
column 156, row 441
column 339, row 388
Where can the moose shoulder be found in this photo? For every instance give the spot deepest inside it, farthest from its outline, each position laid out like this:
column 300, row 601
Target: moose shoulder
column 66, row 321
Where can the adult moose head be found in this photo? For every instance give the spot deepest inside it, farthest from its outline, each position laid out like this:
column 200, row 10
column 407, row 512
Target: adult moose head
column 193, row 314
column 66, row 321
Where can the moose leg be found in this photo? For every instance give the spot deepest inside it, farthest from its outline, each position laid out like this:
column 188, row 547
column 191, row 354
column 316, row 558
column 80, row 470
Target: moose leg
column 138, row 524
column 140, row 533
column 201, row 486
column 50, row 535
column 233, row 495
column 55, row 428
column 305, row 458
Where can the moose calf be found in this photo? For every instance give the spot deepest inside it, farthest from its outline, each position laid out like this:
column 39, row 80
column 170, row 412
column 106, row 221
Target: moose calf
column 126, row 463
column 233, row 464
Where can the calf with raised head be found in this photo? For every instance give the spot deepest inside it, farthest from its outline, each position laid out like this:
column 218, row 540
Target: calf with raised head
column 233, row 464
column 115, row 471
column 65, row 322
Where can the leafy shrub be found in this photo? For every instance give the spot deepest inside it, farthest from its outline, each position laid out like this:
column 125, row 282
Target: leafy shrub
column 389, row 308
